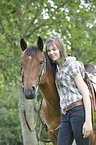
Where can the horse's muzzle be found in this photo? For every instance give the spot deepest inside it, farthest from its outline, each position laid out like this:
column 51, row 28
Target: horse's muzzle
column 29, row 93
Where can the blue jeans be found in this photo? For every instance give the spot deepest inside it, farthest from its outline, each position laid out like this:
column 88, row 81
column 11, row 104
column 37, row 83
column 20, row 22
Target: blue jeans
column 71, row 127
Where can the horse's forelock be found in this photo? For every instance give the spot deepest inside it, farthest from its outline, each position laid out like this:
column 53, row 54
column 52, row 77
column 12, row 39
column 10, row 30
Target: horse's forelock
column 32, row 50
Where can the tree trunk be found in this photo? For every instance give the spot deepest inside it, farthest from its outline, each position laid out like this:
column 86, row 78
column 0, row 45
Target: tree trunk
column 29, row 138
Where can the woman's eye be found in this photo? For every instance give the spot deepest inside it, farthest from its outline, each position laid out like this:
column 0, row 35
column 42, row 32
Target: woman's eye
column 48, row 50
column 53, row 49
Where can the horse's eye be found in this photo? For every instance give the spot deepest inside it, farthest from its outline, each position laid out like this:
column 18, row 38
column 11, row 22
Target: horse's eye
column 21, row 63
column 41, row 62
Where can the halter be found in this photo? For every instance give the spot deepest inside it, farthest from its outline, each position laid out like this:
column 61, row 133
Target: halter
column 40, row 77
column 22, row 73
column 38, row 83
column 42, row 73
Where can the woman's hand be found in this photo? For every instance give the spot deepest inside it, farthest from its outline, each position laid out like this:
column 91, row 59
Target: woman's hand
column 87, row 129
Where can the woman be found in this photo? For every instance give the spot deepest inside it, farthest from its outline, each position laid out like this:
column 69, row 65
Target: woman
column 74, row 95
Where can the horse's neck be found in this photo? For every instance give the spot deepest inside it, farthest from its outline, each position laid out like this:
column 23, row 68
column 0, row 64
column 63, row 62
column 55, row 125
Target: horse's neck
column 48, row 89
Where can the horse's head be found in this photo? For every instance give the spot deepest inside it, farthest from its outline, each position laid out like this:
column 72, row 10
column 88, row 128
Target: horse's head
column 33, row 67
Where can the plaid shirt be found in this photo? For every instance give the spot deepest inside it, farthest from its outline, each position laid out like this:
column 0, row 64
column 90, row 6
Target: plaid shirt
column 65, row 81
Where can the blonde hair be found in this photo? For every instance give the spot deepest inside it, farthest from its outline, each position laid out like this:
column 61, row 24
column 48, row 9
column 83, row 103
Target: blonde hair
column 59, row 44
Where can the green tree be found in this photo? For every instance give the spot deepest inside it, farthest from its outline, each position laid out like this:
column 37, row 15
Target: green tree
column 10, row 130
column 73, row 21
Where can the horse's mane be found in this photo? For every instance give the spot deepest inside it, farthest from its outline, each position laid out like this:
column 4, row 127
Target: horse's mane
column 33, row 50
column 51, row 66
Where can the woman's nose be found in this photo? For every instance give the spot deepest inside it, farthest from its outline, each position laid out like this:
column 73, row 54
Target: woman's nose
column 51, row 51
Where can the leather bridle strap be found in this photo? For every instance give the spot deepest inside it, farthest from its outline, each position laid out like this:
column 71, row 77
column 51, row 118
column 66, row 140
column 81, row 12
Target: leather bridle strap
column 54, row 129
column 38, row 117
column 42, row 72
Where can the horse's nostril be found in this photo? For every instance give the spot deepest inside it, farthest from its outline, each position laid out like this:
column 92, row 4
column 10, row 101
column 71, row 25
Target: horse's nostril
column 29, row 92
column 33, row 88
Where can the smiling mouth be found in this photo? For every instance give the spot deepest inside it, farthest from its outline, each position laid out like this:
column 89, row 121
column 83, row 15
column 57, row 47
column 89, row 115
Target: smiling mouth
column 52, row 57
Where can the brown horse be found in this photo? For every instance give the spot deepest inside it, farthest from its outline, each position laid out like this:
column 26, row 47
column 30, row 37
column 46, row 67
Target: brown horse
column 39, row 71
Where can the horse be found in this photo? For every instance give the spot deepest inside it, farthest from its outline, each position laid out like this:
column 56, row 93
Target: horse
column 38, row 71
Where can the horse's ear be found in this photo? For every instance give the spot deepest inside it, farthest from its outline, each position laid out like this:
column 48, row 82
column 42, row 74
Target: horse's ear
column 40, row 43
column 23, row 44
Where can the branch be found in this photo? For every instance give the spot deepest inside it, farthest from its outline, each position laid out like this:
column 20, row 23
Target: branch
column 47, row 21
column 30, row 24
column 60, row 5
column 92, row 59
column 18, row 10
column 6, row 35
column 36, row 28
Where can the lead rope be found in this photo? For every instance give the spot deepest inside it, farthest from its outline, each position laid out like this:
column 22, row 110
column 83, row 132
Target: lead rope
column 54, row 129
column 36, row 96
column 31, row 130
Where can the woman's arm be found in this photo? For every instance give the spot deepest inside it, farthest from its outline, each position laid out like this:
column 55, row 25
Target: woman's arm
column 87, row 127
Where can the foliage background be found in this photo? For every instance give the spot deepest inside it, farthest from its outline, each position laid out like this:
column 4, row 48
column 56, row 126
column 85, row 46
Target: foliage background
column 72, row 20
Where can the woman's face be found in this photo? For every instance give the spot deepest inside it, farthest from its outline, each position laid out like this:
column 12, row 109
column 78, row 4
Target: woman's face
column 53, row 52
